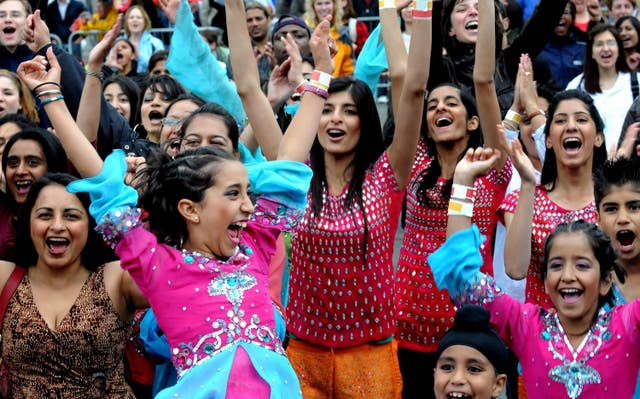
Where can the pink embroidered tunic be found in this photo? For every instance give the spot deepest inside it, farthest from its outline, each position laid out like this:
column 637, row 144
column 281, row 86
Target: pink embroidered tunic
column 605, row 365
column 425, row 313
column 546, row 216
column 339, row 296
column 207, row 307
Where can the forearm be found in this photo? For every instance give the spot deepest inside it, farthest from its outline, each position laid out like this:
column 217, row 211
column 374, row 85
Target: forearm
column 79, row 150
column 411, row 102
column 395, row 52
column 245, row 70
column 517, row 248
column 485, row 65
column 88, row 118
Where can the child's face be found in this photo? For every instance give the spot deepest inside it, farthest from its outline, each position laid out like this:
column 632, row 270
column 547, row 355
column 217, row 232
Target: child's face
column 573, row 280
column 464, row 372
column 215, row 224
column 619, row 218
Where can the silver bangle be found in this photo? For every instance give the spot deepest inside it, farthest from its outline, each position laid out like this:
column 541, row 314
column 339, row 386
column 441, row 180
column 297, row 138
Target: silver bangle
column 97, row 75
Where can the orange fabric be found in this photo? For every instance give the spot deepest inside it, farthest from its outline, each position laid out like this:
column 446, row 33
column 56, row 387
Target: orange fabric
column 365, row 371
column 522, row 392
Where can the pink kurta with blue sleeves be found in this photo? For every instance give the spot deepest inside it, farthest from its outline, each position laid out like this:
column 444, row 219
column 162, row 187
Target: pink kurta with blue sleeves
column 605, row 366
column 209, row 308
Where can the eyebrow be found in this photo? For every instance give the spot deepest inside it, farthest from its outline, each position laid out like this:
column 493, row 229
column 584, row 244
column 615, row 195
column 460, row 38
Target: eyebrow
column 575, row 113
column 46, row 208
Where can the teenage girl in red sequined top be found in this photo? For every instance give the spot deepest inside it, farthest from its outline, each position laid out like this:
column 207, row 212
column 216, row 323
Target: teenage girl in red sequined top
column 341, row 308
column 575, row 148
column 452, row 123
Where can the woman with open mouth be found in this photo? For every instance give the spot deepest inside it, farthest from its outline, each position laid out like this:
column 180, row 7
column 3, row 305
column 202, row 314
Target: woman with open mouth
column 629, row 28
column 68, row 296
column 574, row 149
column 27, row 156
column 607, row 79
column 453, row 123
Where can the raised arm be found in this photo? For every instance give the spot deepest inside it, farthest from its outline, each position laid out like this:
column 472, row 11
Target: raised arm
column 298, row 139
column 411, row 102
column 79, row 150
column 483, row 72
column 394, row 47
column 190, row 61
column 245, row 70
column 88, row 117
column 517, row 246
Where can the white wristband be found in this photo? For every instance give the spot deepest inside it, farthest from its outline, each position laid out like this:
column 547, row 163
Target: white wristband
column 459, row 208
column 513, row 116
column 387, row 4
column 465, row 193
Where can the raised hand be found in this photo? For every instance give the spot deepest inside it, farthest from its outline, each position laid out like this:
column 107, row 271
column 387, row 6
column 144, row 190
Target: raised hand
column 630, row 143
column 37, row 32
column 527, row 86
column 34, row 72
column 474, row 164
column 100, row 50
column 170, row 8
column 522, row 162
column 320, row 45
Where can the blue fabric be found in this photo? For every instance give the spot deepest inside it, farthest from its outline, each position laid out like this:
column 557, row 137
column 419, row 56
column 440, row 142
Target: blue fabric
column 286, row 182
column 620, row 300
column 247, row 157
column 565, row 57
column 191, row 62
column 208, row 380
column 372, row 60
column 107, row 190
column 457, row 260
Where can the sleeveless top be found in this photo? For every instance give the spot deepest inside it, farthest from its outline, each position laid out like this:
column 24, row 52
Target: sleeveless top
column 82, row 358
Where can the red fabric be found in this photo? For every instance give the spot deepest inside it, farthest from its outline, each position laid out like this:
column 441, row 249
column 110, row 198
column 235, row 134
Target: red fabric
column 425, row 313
column 362, row 34
column 546, row 216
column 338, row 300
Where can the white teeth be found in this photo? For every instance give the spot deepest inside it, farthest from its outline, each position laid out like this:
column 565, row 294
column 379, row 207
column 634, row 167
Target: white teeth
column 570, row 291
column 23, row 183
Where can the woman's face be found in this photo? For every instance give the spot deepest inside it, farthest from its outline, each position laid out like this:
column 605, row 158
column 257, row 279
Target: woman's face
column 172, row 122
column 572, row 134
column 620, row 8
column 9, row 97
column 114, row 95
column 26, row 163
column 339, row 128
column 464, row 21
column 135, row 21
column 124, row 55
column 207, row 130
column 323, row 8
column 605, row 50
column 154, row 105
column 7, row 131
column 447, row 117
column 59, row 227
column 629, row 35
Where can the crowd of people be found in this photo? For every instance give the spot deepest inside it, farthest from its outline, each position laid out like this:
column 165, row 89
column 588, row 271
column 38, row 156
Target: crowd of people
column 211, row 210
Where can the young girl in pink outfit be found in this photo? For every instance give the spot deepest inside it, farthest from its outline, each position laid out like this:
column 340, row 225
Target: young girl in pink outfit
column 577, row 349
column 205, row 267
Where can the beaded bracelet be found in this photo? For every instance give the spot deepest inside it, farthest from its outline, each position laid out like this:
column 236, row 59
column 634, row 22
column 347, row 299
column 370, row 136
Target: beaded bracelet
column 459, row 208
column 45, row 92
column 50, row 100
column 316, row 90
column 46, row 83
column 97, row 75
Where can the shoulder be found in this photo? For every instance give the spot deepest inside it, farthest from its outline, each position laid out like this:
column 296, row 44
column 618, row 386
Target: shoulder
column 575, row 82
column 6, row 268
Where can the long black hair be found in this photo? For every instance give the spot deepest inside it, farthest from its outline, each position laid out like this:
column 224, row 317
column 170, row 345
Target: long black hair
column 550, row 167
column 95, row 251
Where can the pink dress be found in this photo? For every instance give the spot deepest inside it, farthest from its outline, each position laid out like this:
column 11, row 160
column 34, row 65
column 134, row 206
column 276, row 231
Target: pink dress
column 424, row 313
column 546, row 216
column 340, row 297
column 604, row 366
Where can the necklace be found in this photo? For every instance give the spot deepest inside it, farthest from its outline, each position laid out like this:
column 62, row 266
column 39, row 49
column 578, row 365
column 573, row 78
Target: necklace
column 574, row 373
